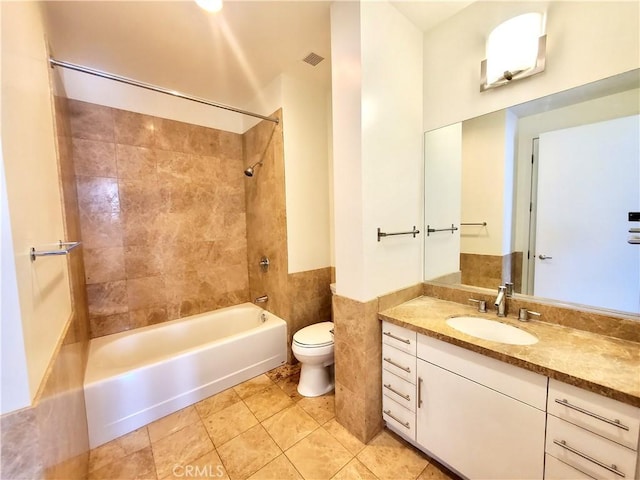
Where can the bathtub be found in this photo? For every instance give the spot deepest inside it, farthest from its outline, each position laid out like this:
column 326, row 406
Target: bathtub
column 136, row 377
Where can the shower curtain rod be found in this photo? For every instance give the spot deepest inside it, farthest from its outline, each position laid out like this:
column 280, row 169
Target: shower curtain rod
column 148, row 86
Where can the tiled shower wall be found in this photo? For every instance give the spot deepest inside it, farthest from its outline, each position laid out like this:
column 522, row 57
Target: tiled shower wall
column 301, row 298
column 162, row 214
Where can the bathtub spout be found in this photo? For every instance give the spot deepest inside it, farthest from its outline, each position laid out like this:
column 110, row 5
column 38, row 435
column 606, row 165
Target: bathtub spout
column 262, row 299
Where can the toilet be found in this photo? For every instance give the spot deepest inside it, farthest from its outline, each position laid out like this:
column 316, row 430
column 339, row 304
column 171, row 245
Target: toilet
column 313, row 347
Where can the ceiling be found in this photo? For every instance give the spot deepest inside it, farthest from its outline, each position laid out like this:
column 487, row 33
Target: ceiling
column 226, row 57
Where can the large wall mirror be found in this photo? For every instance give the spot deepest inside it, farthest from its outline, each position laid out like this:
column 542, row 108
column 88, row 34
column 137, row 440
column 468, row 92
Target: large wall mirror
column 539, row 195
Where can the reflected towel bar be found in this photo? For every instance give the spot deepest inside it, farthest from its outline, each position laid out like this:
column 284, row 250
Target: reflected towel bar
column 413, row 232
column 451, row 229
column 63, row 249
column 477, row 224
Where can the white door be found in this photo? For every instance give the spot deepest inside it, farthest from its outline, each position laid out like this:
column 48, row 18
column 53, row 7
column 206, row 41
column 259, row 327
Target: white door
column 588, row 181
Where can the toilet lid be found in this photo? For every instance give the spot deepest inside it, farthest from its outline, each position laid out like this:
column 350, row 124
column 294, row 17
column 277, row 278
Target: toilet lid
column 316, row 335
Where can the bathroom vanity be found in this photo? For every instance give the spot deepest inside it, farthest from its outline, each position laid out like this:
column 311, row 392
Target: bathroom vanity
column 564, row 407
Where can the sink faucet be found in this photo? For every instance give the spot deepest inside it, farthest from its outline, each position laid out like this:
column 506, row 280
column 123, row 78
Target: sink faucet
column 500, row 302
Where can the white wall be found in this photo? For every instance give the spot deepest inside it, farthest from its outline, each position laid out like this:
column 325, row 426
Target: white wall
column 33, row 193
column 586, row 41
column 377, row 131
column 89, row 88
column 347, row 149
column 443, row 174
column 306, row 174
column 483, row 180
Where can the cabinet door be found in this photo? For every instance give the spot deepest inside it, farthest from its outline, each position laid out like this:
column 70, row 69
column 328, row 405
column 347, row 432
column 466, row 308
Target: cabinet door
column 475, row 430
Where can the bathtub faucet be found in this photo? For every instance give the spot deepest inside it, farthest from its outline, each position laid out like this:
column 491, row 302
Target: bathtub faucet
column 262, row 299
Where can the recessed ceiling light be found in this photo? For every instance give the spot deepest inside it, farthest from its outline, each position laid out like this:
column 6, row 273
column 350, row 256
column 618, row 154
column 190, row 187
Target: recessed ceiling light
column 210, row 5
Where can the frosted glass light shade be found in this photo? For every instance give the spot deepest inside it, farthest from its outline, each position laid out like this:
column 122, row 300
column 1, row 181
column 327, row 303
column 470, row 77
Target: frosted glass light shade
column 210, row 5
column 513, row 47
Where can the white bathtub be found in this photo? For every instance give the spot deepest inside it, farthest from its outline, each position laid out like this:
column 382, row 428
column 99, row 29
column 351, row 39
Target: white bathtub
column 136, row 377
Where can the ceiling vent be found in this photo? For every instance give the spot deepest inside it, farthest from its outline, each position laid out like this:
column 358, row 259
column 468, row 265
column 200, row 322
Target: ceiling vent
column 313, row 59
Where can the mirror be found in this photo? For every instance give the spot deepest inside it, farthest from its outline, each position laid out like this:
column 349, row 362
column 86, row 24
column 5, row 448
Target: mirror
column 538, row 195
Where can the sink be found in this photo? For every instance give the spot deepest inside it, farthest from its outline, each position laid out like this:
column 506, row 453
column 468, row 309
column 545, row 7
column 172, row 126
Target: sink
column 492, row 330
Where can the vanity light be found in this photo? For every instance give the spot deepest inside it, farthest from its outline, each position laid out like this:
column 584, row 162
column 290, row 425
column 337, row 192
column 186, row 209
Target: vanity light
column 515, row 50
column 210, row 5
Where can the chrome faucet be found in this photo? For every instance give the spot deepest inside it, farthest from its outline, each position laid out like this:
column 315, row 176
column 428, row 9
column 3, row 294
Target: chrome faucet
column 501, row 303
column 262, row 299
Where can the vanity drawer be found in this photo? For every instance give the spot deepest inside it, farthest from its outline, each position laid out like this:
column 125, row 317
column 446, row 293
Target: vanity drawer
column 515, row 382
column 614, row 420
column 399, row 390
column 398, row 418
column 399, row 337
column 554, row 469
column 399, row 363
column 590, row 453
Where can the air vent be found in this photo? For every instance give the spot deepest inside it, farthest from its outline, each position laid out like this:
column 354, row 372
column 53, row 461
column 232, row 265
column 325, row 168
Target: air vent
column 313, row 59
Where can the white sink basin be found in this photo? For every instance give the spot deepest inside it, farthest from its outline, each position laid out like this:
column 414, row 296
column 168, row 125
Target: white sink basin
column 492, row 330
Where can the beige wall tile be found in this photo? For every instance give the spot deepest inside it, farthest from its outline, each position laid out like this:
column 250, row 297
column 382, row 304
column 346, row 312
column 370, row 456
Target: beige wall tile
column 104, row 265
column 133, row 128
column 146, row 292
column 94, row 158
column 90, row 121
column 135, row 162
column 107, row 298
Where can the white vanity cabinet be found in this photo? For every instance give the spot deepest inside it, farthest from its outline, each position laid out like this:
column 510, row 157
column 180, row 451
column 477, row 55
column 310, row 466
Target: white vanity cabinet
column 399, row 379
column 486, row 419
column 595, row 435
column 481, row 417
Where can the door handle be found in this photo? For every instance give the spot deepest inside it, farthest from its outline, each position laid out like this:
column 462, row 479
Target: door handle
column 544, row 257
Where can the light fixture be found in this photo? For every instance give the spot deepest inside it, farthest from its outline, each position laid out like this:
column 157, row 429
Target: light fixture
column 210, row 5
column 515, row 50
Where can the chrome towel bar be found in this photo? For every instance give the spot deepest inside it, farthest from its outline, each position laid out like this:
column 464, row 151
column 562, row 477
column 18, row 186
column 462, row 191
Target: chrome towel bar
column 473, row 224
column 413, row 232
column 451, row 229
column 63, row 249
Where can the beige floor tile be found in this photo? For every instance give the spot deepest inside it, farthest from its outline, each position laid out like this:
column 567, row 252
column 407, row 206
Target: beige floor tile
column 289, row 386
column 229, row 423
column 322, row 409
column 278, row 469
column 432, row 472
column 180, row 448
column 283, row 371
column 268, row 402
column 355, row 470
column 341, row 434
column 318, row 456
column 217, row 402
column 290, row 426
column 248, row 452
column 172, row 423
column 118, row 448
column 389, row 458
column 253, row 386
column 207, row 467
column 136, row 466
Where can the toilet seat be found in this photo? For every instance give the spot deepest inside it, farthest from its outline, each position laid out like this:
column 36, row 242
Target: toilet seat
column 314, row 336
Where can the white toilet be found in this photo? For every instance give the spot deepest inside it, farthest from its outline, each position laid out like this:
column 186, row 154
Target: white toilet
column 313, row 347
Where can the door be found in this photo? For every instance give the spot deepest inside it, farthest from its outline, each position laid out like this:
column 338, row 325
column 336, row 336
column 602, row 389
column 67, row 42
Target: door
column 588, row 180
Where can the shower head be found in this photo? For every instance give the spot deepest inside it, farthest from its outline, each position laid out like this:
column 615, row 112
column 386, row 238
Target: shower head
column 249, row 171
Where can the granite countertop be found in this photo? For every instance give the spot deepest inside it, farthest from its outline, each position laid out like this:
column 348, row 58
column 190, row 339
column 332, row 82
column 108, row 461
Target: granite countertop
column 605, row 365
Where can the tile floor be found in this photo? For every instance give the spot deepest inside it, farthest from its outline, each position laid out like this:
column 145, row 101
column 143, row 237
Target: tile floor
column 260, row 429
